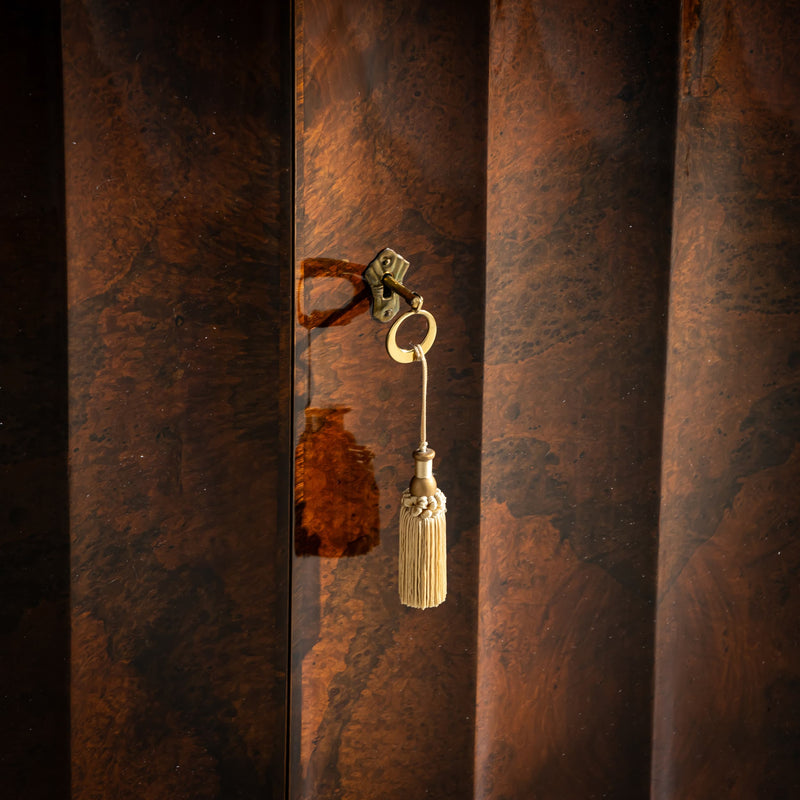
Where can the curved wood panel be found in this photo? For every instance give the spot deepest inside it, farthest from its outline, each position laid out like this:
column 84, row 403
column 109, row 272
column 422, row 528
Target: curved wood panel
column 390, row 153
column 579, row 175
column 177, row 155
column 727, row 709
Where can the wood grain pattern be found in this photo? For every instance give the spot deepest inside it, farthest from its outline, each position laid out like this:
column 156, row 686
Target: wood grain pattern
column 390, row 153
column 177, row 153
column 535, row 208
column 579, row 174
column 728, row 658
column 34, row 529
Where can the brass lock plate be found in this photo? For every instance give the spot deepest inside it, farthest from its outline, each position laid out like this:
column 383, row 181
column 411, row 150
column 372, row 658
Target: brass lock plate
column 385, row 303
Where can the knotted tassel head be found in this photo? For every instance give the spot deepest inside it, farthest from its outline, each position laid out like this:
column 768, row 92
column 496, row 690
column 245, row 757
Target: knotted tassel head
column 423, row 540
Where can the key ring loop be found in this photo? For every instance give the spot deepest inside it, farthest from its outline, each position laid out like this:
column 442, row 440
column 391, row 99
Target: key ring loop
column 398, row 353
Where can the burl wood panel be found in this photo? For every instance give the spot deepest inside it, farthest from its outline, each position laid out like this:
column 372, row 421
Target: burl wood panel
column 390, row 153
column 727, row 706
column 579, row 175
column 34, row 537
column 178, row 145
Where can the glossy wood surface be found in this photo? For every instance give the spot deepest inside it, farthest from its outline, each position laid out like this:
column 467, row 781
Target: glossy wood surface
column 578, row 214
column 526, row 158
column 34, row 529
column 390, row 153
column 727, row 710
column 177, row 156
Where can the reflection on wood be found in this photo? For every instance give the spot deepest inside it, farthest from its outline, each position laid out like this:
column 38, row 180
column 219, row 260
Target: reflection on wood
column 336, row 497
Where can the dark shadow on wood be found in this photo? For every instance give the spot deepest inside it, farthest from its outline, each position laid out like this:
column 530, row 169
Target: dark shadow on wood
column 336, row 496
column 317, row 268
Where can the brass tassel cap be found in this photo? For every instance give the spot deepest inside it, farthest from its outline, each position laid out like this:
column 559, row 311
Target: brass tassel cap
column 423, row 484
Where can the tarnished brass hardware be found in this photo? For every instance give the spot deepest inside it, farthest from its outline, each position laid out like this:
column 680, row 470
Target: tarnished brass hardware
column 400, row 354
column 384, row 276
column 422, row 552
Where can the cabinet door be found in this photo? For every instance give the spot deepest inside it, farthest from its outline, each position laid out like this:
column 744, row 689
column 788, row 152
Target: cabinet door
column 390, row 152
column 178, row 146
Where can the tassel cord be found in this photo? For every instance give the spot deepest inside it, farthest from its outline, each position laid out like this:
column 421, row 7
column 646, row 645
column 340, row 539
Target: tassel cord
column 419, row 355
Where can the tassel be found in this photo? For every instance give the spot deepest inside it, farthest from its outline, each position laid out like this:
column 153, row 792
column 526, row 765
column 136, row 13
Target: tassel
column 423, row 542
